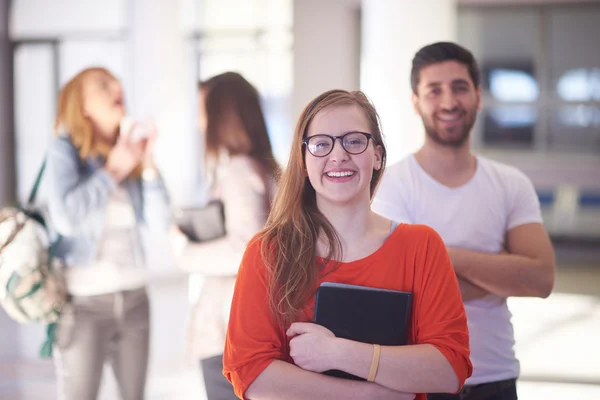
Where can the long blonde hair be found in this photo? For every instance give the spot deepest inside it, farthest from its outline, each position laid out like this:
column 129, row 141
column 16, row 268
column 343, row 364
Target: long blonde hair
column 295, row 224
column 70, row 118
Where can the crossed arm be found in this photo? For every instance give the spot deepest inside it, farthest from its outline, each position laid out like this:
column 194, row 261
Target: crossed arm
column 315, row 349
column 527, row 269
column 259, row 366
column 298, row 384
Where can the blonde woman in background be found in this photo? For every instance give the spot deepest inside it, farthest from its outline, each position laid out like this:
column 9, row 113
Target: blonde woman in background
column 103, row 191
column 242, row 169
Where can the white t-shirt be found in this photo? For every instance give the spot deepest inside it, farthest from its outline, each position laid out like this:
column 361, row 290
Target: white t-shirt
column 475, row 216
column 119, row 264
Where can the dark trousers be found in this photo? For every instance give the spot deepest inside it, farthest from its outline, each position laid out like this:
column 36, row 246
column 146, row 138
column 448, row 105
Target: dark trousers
column 502, row 390
column 217, row 386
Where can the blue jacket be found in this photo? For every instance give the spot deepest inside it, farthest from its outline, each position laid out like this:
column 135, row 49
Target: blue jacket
column 77, row 194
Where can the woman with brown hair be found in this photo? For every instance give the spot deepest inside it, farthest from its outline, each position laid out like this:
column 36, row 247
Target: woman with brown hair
column 321, row 229
column 103, row 192
column 242, row 171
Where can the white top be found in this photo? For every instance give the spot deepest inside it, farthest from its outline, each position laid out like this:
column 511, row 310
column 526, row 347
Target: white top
column 119, row 263
column 246, row 195
column 474, row 216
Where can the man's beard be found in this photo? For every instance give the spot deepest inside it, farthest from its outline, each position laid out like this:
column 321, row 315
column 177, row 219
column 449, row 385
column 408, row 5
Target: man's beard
column 455, row 141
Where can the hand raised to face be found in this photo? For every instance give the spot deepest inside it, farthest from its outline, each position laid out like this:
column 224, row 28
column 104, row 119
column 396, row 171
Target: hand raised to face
column 125, row 156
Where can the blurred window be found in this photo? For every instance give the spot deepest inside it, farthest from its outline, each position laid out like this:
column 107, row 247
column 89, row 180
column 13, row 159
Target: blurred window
column 41, row 68
column 540, row 70
column 513, row 86
column 258, row 46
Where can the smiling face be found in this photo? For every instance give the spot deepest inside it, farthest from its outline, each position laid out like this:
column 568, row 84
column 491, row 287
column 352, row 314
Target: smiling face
column 447, row 101
column 103, row 104
column 340, row 177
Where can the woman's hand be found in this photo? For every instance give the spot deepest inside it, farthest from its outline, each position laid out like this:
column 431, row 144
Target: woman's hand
column 151, row 135
column 178, row 240
column 125, row 156
column 469, row 291
column 312, row 346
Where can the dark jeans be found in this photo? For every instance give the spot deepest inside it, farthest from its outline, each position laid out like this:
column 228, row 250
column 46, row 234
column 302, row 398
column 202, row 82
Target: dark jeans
column 217, row 386
column 503, row 390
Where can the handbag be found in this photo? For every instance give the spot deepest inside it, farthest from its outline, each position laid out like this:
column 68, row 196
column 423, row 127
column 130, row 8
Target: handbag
column 202, row 224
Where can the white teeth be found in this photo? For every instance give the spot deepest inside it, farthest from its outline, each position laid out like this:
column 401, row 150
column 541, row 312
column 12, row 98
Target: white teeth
column 449, row 117
column 340, row 174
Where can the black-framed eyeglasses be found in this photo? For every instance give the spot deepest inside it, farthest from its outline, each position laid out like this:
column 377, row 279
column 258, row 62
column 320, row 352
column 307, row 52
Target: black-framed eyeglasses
column 352, row 142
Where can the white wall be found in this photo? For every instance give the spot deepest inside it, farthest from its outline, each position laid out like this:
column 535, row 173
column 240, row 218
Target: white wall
column 163, row 87
column 548, row 168
column 393, row 31
column 43, row 18
column 326, row 49
column 34, row 104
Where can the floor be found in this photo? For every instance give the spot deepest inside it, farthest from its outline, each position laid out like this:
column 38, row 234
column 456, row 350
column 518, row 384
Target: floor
column 556, row 343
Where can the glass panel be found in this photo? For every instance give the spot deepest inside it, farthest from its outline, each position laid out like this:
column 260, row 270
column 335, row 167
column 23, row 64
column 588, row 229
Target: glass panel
column 253, row 38
column 509, row 125
column 56, row 19
column 224, row 15
column 512, row 85
column 76, row 55
column 504, row 42
column 35, row 95
column 581, row 84
column 266, row 61
column 574, row 52
column 499, row 35
column 575, row 127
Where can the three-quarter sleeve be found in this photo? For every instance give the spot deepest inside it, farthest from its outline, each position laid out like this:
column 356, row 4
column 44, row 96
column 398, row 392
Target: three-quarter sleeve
column 254, row 339
column 439, row 314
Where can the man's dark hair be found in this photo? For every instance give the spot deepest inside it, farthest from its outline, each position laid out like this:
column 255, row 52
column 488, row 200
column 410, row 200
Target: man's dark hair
column 440, row 52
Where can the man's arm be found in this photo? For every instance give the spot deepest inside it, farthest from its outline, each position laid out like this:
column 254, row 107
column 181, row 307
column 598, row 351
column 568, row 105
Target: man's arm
column 527, row 270
column 284, row 380
column 469, row 291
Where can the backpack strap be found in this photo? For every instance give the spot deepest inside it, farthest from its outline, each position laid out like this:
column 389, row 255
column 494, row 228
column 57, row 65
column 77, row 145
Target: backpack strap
column 38, row 179
column 36, row 184
column 33, row 195
column 46, row 350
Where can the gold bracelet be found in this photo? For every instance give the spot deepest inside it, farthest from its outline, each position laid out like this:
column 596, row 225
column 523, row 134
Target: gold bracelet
column 374, row 363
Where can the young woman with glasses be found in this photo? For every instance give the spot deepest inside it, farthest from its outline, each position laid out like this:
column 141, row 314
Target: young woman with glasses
column 321, row 229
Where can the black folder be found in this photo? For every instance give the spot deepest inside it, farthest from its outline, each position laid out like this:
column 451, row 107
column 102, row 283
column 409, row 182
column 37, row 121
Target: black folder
column 363, row 314
column 202, row 224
